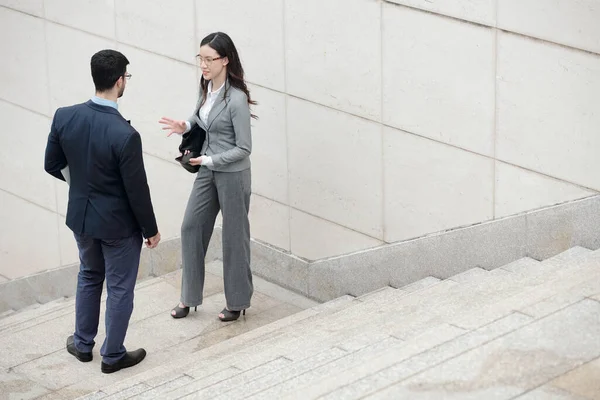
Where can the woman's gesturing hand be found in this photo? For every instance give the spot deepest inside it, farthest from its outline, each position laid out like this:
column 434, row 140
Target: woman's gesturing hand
column 173, row 126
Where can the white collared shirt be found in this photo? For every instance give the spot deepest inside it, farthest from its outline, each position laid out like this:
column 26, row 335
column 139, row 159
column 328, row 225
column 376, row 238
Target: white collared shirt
column 211, row 98
column 105, row 102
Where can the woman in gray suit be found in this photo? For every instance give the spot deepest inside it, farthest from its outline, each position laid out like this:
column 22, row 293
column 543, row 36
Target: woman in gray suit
column 223, row 180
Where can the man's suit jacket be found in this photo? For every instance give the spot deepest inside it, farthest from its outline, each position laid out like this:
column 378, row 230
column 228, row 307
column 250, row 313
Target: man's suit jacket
column 228, row 140
column 109, row 196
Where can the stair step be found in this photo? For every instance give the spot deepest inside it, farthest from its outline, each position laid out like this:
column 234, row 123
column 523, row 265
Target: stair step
column 529, row 265
column 538, row 288
column 154, row 392
column 39, row 313
column 46, row 361
column 57, row 325
column 425, row 313
column 268, row 382
column 15, row 386
column 522, row 265
column 385, row 296
column 475, row 299
column 267, row 386
column 299, row 384
column 298, row 366
column 558, row 261
column 573, row 253
column 419, row 353
column 341, row 349
column 531, row 356
column 549, row 392
column 305, row 359
column 206, row 387
column 154, row 298
column 126, row 394
column 470, row 275
column 337, row 329
column 562, row 299
column 175, row 368
column 288, row 340
column 407, row 315
column 35, row 311
column 377, row 293
column 420, row 284
column 245, row 382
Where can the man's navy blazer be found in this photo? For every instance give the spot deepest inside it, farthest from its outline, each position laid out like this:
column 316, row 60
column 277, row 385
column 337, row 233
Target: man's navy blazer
column 109, row 196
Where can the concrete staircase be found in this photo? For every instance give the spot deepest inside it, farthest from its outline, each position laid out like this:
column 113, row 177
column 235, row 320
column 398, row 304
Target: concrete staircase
column 529, row 330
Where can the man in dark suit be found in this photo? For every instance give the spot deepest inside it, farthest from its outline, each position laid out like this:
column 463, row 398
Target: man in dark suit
column 109, row 209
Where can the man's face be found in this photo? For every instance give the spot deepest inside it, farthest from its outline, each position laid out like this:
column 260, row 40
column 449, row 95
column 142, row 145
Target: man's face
column 122, row 82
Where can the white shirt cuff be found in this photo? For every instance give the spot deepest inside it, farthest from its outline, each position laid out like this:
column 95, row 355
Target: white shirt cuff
column 206, row 160
column 189, row 127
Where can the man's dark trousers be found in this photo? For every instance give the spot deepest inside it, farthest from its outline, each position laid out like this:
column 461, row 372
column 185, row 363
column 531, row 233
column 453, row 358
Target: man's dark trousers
column 118, row 260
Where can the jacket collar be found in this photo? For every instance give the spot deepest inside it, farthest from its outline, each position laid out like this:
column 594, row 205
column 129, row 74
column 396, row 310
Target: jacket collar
column 220, row 103
column 101, row 108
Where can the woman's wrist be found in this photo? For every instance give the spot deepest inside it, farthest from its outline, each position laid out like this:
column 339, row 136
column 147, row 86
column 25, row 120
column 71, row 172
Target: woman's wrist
column 206, row 160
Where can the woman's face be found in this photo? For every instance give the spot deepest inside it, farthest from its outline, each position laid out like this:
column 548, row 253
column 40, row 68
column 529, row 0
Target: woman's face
column 211, row 63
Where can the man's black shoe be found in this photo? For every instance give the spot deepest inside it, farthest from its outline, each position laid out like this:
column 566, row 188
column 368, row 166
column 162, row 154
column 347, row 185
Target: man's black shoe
column 130, row 359
column 81, row 356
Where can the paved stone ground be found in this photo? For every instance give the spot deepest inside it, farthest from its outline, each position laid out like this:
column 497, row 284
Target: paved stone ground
column 527, row 331
column 34, row 361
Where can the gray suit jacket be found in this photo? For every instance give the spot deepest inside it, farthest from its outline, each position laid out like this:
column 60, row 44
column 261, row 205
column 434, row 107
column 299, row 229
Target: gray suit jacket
column 228, row 139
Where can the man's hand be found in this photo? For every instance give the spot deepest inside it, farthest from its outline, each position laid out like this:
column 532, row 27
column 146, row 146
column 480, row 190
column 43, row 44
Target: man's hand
column 174, row 126
column 153, row 241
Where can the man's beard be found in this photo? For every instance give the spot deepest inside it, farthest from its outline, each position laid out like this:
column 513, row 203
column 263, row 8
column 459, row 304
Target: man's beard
column 121, row 91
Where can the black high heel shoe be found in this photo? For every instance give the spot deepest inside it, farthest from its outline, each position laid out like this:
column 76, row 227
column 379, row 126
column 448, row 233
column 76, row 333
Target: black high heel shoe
column 181, row 312
column 231, row 315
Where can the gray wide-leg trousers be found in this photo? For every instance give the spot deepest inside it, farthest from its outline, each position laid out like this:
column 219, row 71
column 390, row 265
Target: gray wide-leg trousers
column 230, row 193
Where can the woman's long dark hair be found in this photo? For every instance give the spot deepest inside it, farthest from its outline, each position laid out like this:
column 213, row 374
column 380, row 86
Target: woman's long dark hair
column 223, row 45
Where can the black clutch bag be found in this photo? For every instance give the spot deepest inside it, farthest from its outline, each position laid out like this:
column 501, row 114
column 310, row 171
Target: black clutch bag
column 191, row 141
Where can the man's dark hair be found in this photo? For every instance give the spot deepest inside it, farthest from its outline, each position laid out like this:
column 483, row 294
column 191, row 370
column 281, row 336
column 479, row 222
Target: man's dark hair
column 107, row 67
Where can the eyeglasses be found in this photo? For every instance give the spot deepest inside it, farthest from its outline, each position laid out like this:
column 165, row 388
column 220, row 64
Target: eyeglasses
column 208, row 60
column 127, row 75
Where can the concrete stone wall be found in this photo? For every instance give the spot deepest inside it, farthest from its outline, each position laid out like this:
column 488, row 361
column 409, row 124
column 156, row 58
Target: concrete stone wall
column 380, row 121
